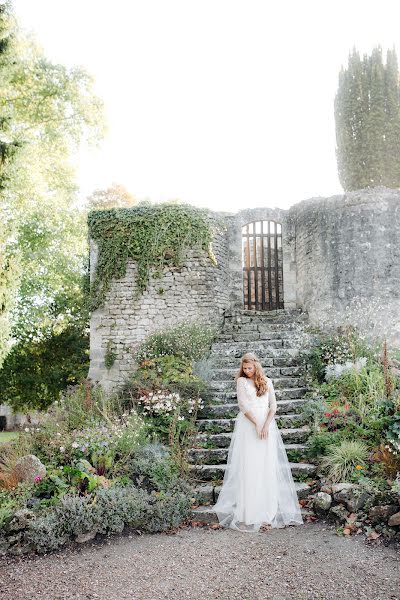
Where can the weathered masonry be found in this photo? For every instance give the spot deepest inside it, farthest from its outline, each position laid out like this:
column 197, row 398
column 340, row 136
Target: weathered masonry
column 336, row 258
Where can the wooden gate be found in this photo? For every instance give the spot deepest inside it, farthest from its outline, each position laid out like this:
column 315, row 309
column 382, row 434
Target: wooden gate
column 262, row 265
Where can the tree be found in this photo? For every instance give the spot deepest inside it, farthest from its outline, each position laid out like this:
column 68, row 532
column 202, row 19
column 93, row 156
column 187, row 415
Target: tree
column 115, row 196
column 36, row 371
column 9, row 264
column 367, row 115
column 45, row 111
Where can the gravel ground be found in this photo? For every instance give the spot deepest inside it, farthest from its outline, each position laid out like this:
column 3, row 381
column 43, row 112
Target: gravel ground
column 305, row 562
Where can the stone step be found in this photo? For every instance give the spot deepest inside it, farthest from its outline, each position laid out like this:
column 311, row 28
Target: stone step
column 262, row 349
column 276, row 316
column 223, row 379
column 216, row 472
column 228, row 373
column 222, row 440
column 282, row 420
column 207, row 493
column 230, row 410
column 229, row 397
column 294, row 434
column 261, row 332
column 249, row 337
column 232, row 364
column 216, row 456
column 283, row 406
column 206, row 515
column 270, row 326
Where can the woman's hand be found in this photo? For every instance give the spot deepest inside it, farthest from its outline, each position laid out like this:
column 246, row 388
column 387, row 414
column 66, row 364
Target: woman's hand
column 264, row 432
column 259, row 429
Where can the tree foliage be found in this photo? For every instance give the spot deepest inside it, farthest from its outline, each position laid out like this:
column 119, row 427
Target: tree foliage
column 35, row 371
column 9, row 263
column 367, row 114
column 45, row 111
column 116, row 196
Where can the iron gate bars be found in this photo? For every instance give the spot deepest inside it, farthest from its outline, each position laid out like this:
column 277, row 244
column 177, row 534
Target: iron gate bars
column 262, row 265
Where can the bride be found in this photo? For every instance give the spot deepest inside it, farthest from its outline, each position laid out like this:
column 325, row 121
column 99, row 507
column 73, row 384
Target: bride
column 258, row 488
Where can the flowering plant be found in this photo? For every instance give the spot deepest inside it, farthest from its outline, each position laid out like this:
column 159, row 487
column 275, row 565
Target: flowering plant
column 336, row 370
column 163, row 402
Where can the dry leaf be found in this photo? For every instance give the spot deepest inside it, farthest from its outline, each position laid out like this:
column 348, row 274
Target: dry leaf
column 352, row 517
column 373, row 535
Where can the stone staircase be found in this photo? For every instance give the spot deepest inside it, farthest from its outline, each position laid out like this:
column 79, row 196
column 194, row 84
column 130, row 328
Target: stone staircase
column 276, row 338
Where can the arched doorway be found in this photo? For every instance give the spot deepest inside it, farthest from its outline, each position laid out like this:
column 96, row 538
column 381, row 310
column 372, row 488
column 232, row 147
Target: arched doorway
column 262, row 261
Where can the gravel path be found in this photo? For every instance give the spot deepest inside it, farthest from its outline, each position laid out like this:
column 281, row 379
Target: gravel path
column 306, row 562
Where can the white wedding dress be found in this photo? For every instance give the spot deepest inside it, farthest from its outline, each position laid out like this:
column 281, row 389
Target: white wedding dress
column 258, row 486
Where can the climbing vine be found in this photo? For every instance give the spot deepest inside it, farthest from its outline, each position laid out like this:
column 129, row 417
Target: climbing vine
column 155, row 236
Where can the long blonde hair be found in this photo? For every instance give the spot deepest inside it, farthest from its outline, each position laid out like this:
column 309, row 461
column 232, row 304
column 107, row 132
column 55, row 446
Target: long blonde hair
column 260, row 379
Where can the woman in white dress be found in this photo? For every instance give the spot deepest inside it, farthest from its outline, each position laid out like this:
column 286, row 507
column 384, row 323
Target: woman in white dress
column 258, row 490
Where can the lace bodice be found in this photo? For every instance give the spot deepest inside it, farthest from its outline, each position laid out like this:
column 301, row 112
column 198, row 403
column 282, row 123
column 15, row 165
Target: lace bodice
column 247, row 397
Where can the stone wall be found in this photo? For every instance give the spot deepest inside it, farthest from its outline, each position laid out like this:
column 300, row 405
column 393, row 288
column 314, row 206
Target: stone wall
column 341, row 263
column 348, row 260
column 197, row 291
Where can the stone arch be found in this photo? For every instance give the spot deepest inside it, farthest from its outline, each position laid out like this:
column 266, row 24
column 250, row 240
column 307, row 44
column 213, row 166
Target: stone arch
column 288, row 264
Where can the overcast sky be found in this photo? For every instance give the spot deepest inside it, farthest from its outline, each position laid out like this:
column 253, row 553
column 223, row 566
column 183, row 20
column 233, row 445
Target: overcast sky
column 221, row 103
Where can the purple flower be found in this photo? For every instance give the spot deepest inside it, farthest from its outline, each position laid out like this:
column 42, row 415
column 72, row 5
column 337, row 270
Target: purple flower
column 38, row 479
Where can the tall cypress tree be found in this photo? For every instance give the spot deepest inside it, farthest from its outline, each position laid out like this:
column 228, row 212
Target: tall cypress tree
column 367, row 115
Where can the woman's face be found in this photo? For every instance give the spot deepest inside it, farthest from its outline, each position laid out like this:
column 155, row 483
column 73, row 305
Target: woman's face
column 249, row 369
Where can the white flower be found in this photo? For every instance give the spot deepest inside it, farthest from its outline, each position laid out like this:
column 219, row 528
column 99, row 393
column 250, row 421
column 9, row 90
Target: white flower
column 26, row 429
column 74, row 445
column 62, row 449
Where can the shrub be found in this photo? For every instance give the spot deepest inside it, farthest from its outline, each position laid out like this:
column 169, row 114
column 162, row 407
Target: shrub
column 191, row 341
column 106, row 512
column 106, row 444
column 341, row 460
column 10, row 452
column 319, row 442
column 313, row 411
column 46, row 533
column 153, row 468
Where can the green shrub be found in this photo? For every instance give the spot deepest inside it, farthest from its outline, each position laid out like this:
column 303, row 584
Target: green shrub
column 107, row 512
column 313, row 411
column 191, row 341
column 46, row 533
column 104, row 439
column 341, row 460
column 153, row 469
column 319, row 442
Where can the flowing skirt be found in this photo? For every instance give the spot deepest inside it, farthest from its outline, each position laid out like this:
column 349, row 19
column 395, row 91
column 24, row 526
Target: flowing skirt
column 258, row 486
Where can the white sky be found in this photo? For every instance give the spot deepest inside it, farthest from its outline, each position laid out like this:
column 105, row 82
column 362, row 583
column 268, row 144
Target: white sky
column 221, row 103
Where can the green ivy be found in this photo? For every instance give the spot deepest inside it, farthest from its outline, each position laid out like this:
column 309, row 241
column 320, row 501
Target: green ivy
column 109, row 357
column 155, row 236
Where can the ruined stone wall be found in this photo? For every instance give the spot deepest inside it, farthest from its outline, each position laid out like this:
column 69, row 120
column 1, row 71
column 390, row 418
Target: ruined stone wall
column 197, row 291
column 348, row 259
column 341, row 264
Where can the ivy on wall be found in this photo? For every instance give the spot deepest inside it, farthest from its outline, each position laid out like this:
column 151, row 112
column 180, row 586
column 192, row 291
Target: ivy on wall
column 155, row 236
